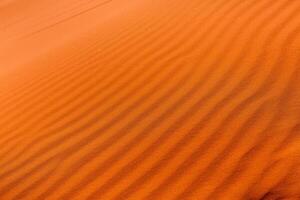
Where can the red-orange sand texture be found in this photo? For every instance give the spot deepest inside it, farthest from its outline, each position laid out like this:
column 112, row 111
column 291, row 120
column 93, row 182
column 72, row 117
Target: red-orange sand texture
column 149, row 99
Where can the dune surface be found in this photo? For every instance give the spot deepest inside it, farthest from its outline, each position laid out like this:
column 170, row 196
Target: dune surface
column 149, row 99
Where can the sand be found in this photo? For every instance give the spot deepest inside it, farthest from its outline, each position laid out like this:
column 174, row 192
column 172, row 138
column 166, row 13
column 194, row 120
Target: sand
column 149, row 99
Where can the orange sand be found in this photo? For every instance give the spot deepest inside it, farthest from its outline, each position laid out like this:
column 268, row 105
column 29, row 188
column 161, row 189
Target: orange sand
column 149, row 99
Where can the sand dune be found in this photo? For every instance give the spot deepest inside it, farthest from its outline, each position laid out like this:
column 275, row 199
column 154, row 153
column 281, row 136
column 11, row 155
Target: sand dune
column 149, row 99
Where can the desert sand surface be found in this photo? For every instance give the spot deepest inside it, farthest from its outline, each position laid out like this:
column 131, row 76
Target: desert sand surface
column 149, row 99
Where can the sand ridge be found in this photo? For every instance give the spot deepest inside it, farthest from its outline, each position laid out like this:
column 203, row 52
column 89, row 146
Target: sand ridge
column 149, row 99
